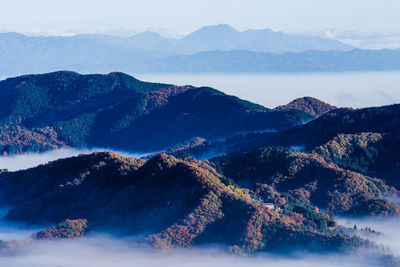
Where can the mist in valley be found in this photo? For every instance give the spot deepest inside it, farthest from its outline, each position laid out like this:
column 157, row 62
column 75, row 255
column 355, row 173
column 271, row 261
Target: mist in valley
column 102, row 250
column 31, row 160
column 388, row 230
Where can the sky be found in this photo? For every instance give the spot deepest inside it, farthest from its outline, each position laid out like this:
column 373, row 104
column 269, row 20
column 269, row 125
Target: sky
column 184, row 16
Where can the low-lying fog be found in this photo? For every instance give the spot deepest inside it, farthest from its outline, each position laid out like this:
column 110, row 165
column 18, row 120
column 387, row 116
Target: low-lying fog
column 104, row 250
column 30, row 160
column 14, row 231
column 389, row 229
column 99, row 251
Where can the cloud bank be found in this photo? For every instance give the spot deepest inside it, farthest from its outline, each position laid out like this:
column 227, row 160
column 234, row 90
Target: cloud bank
column 103, row 251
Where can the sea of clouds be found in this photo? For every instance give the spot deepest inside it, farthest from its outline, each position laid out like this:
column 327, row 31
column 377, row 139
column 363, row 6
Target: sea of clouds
column 103, row 251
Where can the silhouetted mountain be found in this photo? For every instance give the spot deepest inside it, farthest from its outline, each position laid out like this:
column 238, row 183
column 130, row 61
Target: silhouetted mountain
column 121, row 112
column 90, row 53
column 211, row 49
column 223, row 37
column 144, row 52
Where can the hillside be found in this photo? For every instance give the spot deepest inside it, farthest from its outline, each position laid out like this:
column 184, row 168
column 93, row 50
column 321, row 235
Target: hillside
column 121, row 112
column 383, row 120
column 16, row 139
column 308, row 178
column 345, row 161
column 260, row 190
column 372, row 154
column 67, row 229
column 193, row 206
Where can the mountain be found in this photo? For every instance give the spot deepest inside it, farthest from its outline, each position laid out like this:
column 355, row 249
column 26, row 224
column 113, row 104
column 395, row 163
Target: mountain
column 219, row 48
column 16, row 139
column 91, row 53
column 309, row 178
column 192, row 207
column 383, row 120
column 224, row 38
column 372, row 154
column 273, row 181
column 338, row 122
column 121, row 112
column 344, row 161
column 143, row 52
column 310, row 105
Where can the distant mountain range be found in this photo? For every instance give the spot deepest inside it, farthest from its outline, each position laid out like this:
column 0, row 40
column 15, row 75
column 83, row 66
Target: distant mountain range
column 225, row 38
column 308, row 61
column 219, row 48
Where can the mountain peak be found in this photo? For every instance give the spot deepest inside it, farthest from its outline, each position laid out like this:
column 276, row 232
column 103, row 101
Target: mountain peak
column 310, row 105
column 212, row 32
column 218, row 27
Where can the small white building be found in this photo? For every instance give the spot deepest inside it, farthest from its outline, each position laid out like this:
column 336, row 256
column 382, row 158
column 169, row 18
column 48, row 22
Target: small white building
column 269, row 205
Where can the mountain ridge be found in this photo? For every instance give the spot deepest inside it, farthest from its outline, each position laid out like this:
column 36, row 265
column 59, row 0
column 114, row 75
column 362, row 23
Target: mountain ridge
column 193, row 206
column 272, row 179
column 143, row 52
column 311, row 105
column 121, row 112
column 248, row 51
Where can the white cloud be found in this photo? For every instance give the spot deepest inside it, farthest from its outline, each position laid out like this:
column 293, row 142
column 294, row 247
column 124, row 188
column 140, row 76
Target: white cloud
column 363, row 39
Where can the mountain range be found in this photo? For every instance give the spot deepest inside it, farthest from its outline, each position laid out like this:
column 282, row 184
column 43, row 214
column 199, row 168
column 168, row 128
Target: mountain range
column 219, row 48
column 231, row 172
column 38, row 112
column 256, row 62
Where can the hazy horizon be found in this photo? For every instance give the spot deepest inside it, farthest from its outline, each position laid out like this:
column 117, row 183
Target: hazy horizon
column 353, row 37
column 342, row 89
column 367, row 24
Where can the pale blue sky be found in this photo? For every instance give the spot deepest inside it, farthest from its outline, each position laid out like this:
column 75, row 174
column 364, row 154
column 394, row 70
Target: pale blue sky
column 182, row 16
